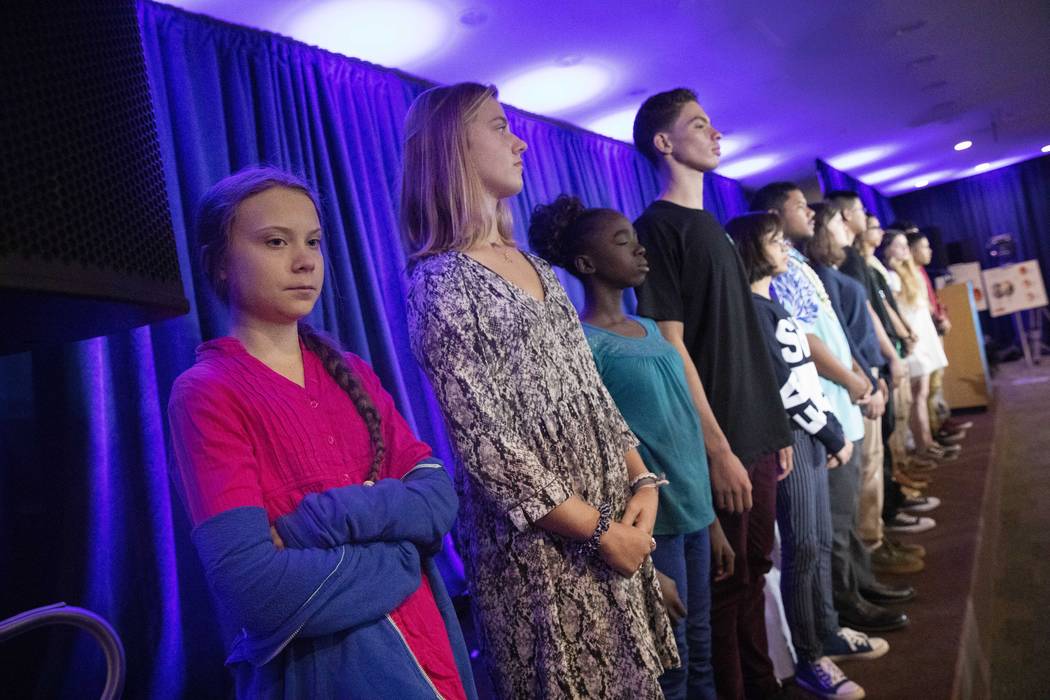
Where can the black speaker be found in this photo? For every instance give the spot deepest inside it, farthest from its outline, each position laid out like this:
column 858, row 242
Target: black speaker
column 86, row 240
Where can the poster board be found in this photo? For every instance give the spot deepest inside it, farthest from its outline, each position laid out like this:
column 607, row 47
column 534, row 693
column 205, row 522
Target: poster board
column 971, row 272
column 1013, row 288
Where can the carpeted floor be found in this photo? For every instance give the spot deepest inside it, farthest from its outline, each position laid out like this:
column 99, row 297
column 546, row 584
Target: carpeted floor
column 1006, row 459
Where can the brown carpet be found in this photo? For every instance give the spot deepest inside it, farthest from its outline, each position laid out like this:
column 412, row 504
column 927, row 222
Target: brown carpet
column 991, row 550
column 922, row 658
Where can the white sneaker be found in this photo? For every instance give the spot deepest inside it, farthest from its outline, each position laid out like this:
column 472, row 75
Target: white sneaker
column 826, row 680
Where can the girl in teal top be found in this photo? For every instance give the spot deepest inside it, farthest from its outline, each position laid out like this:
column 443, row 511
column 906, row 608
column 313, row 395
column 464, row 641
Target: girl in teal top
column 646, row 378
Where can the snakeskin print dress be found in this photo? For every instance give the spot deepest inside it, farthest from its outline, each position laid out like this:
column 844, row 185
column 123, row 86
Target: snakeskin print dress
column 532, row 424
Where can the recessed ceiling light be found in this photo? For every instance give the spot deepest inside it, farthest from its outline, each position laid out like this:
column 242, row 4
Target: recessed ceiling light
column 1046, row 148
column 981, row 167
column 963, row 145
column 734, row 145
column 553, row 89
column 921, row 183
column 886, row 174
column 392, row 33
column 617, row 125
column 747, row 166
column 861, row 157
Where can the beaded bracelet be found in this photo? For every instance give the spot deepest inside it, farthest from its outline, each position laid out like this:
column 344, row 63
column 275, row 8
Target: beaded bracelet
column 590, row 547
column 649, row 479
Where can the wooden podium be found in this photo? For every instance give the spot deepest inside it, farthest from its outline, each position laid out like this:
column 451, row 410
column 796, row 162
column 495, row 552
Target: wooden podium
column 966, row 381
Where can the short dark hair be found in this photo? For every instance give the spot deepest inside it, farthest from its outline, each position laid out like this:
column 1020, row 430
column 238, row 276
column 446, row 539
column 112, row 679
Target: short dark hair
column 822, row 247
column 657, row 114
column 914, row 238
column 841, row 196
column 748, row 231
column 773, row 196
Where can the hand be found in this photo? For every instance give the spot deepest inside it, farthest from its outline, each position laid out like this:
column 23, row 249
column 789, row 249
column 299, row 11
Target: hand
column 898, row 372
column 842, row 456
column 730, row 484
column 876, row 406
column 641, row 509
column 625, row 548
column 786, row 459
column 277, row 541
column 722, row 556
column 672, row 602
column 859, row 389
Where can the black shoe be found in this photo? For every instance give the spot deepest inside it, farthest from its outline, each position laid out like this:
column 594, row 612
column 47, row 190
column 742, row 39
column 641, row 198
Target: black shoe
column 866, row 617
column 887, row 594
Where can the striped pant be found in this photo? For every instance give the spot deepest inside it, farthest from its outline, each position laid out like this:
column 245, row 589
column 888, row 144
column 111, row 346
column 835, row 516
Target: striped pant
column 804, row 519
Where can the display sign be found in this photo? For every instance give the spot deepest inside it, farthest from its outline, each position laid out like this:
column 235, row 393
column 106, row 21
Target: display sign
column 1015, row 287
column 971, row 272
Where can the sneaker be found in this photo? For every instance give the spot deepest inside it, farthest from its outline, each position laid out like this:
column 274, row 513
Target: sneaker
column 886, row 560
column 911, row 549
column 954, row 423
column 826, row 680
column 909, row 524
column 920, row 504
column 849, row 644
column 945, row 438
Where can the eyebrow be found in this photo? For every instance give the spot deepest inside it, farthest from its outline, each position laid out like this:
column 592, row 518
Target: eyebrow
column 498, row 120
column 281, row 229
column 701, row 119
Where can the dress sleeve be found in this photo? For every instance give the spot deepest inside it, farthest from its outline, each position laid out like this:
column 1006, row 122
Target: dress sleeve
column 403, row 449
column 660, row 296
column 446, row 341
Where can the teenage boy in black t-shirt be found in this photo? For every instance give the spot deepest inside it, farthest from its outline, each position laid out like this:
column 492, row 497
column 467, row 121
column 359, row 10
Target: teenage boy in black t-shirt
column 698, row 292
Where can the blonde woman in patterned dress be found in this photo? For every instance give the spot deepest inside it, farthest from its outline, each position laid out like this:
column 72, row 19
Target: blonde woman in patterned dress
column 556, row 512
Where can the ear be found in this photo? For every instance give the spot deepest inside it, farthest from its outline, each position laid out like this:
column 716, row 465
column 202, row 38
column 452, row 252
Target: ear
column 583, row 265
column 662, row 143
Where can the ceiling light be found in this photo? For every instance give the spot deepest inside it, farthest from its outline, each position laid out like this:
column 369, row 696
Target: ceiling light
column 963, row 145
column 886, row 174
column 734, row 145
column 861, row 157
column 921, row 183
column 1046, row 148
column 981, row 167
column 392, row 33
column 617, row 125
column 552, row 89
column 747, row 167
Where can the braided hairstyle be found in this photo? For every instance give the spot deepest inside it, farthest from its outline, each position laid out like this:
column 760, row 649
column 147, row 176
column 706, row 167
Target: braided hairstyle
column 558, row 231
column 212, row 226
column 336, row 366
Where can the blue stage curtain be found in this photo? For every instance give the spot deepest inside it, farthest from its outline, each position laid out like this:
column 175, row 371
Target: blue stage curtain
column 1014, row 200
column 874, row 201
column 87, row 506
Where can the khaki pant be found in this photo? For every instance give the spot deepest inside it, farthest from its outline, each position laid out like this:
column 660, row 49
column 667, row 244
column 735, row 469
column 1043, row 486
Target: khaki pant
column 869, row 513
column 902, row 412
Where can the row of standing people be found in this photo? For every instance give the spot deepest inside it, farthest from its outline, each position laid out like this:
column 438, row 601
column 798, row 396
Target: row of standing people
column 317, row 512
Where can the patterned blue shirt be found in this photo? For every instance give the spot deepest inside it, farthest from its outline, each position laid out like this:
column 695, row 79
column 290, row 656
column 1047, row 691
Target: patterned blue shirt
column 801, row 292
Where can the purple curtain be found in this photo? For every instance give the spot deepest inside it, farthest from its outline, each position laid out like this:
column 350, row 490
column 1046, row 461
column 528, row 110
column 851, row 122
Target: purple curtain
column 87, row 507
column 968, row 212
column 874, row 201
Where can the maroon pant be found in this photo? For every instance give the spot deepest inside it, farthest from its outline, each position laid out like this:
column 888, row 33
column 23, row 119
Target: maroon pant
column 738, row 623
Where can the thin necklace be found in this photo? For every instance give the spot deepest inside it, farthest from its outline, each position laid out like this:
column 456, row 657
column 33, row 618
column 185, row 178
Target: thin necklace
column 502, row 248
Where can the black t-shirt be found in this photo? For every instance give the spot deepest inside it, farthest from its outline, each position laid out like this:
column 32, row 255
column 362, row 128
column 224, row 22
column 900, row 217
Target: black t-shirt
column 856, row 267
column 696, row 277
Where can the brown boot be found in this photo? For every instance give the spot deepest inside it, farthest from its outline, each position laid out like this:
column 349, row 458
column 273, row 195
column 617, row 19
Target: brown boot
column 886, row 560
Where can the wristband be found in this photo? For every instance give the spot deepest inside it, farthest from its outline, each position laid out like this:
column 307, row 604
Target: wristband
column 648, row 479
column 590, row 547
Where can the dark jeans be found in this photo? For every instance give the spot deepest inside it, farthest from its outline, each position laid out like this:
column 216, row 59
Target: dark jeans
column 738, row 621
column 687, row 559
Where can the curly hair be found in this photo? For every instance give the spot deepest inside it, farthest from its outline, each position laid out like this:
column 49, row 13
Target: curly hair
column 558, row 231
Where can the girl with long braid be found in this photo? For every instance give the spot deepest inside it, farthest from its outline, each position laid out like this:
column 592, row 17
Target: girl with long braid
column 316, row 511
